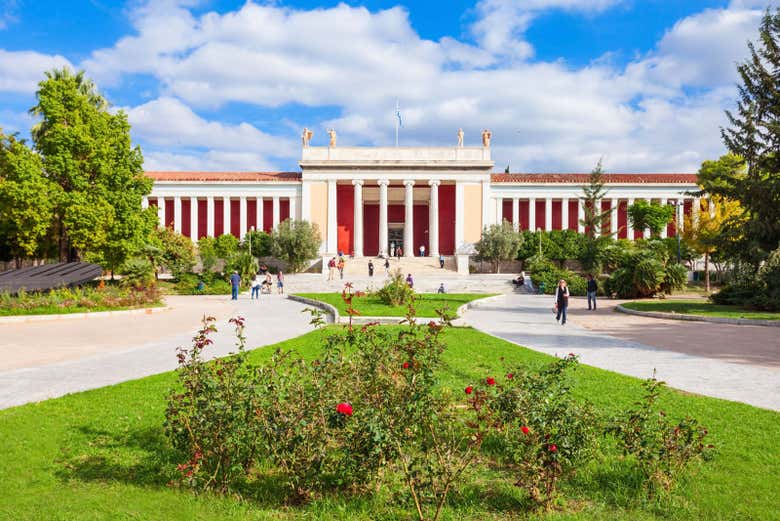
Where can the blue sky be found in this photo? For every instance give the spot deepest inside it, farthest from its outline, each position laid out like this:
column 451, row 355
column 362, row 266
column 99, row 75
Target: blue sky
column 227, row 85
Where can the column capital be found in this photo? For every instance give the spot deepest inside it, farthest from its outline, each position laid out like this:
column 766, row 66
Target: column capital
column 357, row 182
column 434, row 182
column 409, row 182
column 383, row 182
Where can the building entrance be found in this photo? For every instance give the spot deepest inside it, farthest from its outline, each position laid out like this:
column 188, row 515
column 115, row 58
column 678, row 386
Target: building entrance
column 395, row 238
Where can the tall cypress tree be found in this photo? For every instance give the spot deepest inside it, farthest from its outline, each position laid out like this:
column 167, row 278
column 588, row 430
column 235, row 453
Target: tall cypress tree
column 592, row 193
column 754, row 135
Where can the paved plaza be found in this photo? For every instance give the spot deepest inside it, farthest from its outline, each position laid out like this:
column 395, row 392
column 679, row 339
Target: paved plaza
column 40, row 360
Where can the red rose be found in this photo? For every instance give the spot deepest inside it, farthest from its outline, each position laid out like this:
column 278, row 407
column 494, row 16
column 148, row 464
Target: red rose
column 553, row 448
column 490, row 380
column 344, row 408
column 572, row 355
column 406, row 365
column 510, row 376
column 469, row 390
column 524, row 429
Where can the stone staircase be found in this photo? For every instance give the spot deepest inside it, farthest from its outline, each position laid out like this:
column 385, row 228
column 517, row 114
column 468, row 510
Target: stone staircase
column 417, row 266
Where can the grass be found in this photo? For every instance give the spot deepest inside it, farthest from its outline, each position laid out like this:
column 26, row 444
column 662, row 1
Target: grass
column 700, row 307
column 426, row 304
column 102, row 454
column 59, row 310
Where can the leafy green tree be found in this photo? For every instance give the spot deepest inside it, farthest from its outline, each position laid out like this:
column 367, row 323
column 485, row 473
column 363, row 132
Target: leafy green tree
column 594, row 218
column 499, row 242
column 259, row 241
column 295, row 242
column 27, row 198
column 245, row 264
column 225, row 246
column 87, row 152
column 650, row 215
column 207, row 252
column 177, row 252
column 753, row 136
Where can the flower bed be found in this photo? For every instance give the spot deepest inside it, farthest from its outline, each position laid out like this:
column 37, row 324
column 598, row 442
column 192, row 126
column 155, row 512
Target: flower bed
column 78, row 300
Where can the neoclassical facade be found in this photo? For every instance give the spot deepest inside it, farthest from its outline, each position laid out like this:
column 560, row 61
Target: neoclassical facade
column 369, row 201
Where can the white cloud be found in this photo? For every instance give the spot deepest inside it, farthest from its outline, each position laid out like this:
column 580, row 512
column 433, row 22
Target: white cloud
column 20, row 71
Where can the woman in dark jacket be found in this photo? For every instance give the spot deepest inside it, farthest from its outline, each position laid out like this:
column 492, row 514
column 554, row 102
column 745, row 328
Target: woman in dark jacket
column 561, row 301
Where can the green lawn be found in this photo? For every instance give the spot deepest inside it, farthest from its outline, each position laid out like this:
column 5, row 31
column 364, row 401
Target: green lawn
column 102, row 455
column 699, row 307
column 426, row 304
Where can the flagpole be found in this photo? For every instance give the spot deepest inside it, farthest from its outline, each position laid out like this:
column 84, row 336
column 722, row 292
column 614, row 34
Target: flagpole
column 395, row 117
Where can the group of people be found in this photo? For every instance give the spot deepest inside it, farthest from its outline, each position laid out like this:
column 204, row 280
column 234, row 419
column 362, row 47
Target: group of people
column 336, row 264
column 262, row 283
column 561, row 303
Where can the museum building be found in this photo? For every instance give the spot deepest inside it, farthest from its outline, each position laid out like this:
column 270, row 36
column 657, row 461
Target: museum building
column 369, row 201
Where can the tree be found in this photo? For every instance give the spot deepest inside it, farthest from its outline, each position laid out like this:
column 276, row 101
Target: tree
column 499, row 242
column 259, row 241
column 225, row 246
column 27, row 199
column 207, row 252
column 594, row 219
column 177, row 253
column 295, row 242
column 656, row 217
column 753, row 136
column 88, row 153
column 703, row 231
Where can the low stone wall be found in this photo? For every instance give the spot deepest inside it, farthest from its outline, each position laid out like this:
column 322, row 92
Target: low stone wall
column 699, row 318
column 77, row 316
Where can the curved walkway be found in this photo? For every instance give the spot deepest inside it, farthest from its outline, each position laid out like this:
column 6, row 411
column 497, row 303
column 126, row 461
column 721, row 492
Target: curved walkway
column 527, row 320
column 46, row 360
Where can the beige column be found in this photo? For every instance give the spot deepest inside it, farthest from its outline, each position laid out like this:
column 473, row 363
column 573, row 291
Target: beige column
column 161, row 211
column 548, row 214
column 695, row 212
column 259, row 214
column 194, row 219
column 629, row 226
column 664, row 233
column 242, row 216
column 409, row 245
column 293, row 208
column 580, row 215
column 647, row 233
column 516, row 214
column 383, row 216
column 532, row 214
column 332, row 241
column 357, row 223
column 144, row 203
column 680, row 207
column 177, row 214
column 275, row 211
column 433, row 219
column 565, row 213
column 226, row 215
column 614, row 204
column 210, row 216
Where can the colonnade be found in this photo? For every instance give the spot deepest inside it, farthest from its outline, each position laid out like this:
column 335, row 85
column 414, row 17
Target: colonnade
column 164, row 206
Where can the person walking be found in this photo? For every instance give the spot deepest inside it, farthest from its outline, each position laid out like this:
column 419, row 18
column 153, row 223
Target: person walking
column 280, row 282
column 370, row 268
column 332, row 268
column 410, row 281
column 256, row 286
column 561, row 301
column 387, row 267
column 422, row 250
column 341, row 267
column 441, row 261
column 398, row 252
column 441, row 288
column 592, row 288
column 235, row 281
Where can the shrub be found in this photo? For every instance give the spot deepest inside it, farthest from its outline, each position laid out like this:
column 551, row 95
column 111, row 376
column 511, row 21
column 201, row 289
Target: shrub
column 545, row 272
column 753, row 289
column 295, row 242
column 137, row 272
column 213, row 284
column 395, row 292
column 663, row 449
column 643, row 270
column 499, row 242
column 245, row 264
column 540, row 430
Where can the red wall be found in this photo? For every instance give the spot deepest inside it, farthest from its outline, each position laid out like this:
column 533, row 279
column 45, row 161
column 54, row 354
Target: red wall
column 185, row 217
column 524, row 215
column 573, row 216
column 219, row 220
column 345, row 217
column 557, row 218
column 202, row 218
column 251, row 213
column 235, row 218
column 606, row 226
column 420, row 233
column 284, row 209
column 447, row 219
column 540, row 215
column 671, row 228
column 370, row 229
column 268, row 215
column 169, row 213
column 506, row 210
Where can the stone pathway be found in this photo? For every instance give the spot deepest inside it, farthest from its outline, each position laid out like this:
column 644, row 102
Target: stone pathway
column 75, row 355
column 527, row 320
